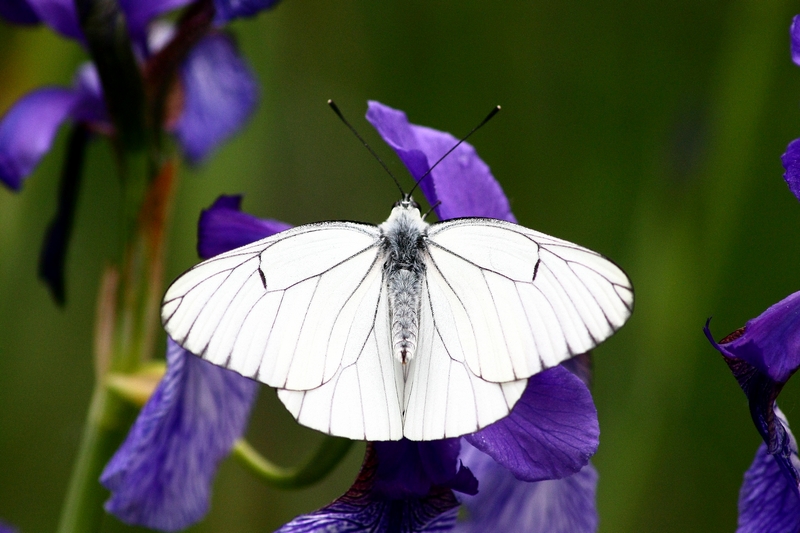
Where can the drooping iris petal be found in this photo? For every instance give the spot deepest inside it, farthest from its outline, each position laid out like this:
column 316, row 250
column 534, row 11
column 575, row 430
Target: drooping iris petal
column 90, row 106
column 581, row 366
column 462, row 181
column 60, row 15
column 552, row 430
column 761, row 392
column 223, row 227
column 28, row 129
column 754, row 355
column 18, row 12
column 769, row 501
column 791, row 162
column 505, row 503
column 770, row 342
column 219, row 95
column 794, row 33
column 228, row 10
column 408, row 469
column 53, row 257
column 363, row 509
column 161, row 475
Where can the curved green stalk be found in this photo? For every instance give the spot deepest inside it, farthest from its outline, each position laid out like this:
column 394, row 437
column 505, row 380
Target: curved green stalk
column 320, row 464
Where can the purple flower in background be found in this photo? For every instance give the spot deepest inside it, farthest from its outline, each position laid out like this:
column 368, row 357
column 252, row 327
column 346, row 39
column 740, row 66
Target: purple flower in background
column 194, row 81
column 762, row 356
column 791, row 159
column 61, row 16
column 768, row 499
column 5, row 528
column 218, row 91
column 161, row 476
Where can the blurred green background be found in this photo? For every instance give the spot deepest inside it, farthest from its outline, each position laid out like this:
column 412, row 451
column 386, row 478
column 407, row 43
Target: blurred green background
column 649, row 131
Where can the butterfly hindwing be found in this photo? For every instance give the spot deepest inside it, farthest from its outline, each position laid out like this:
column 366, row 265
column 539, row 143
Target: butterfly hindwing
column 443, row 396
column 363, row 398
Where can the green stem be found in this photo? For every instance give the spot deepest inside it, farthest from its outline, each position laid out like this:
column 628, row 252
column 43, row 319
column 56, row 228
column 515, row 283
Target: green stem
column 106, row 425
column 328, row 455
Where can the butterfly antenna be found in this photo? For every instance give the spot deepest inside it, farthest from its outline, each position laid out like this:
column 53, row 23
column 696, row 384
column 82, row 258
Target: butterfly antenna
column 339, row 114
column 428, row 212
column 491, row 114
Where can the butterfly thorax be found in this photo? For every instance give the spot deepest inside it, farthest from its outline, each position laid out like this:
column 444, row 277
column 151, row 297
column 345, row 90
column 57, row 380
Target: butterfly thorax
column 404, row 269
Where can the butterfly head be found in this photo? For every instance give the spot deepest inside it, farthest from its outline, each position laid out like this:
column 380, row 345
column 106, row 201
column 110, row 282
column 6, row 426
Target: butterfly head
column 405, row 214
column 406, row 203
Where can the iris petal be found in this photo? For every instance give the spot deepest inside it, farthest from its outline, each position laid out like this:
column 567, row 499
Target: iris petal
column 90, row 106
column 794, row 33
column 409, row 469
column 769, row 501
column 60, row 15
column 228, row 10
column 223, row 227
column 462, row 182
column 791, row 162
column 18, row 12
column 161, row 475
column 220, row 94
column 552, row 430
column 363, row 509
column 505, row 503
column 770, row 342
column 139, row 13
column 28, row 129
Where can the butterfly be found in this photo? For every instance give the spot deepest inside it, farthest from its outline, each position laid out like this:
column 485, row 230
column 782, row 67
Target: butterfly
column 405, row 329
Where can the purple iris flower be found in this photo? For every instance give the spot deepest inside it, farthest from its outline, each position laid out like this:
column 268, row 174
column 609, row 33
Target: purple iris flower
column 535, row 460
column 762, row 356
column 161, row 476
column 5, row 528
column 791, row 159
column 218, row 90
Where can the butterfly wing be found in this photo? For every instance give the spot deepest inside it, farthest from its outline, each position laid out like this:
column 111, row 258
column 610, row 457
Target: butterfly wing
column 284, row 310
column 511, row 302
column 363, row 398
column 443, row 397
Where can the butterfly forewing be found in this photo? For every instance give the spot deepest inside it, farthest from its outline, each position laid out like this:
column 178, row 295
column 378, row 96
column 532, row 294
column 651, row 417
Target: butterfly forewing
column 276, row 310
column 572, row 298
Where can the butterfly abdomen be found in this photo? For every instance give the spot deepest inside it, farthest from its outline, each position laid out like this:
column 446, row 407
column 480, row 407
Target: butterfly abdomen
column 404, row 270
column 403, row 292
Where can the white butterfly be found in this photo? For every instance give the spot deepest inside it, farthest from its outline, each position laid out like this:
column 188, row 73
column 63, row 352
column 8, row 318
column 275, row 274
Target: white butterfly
column 407, row 329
